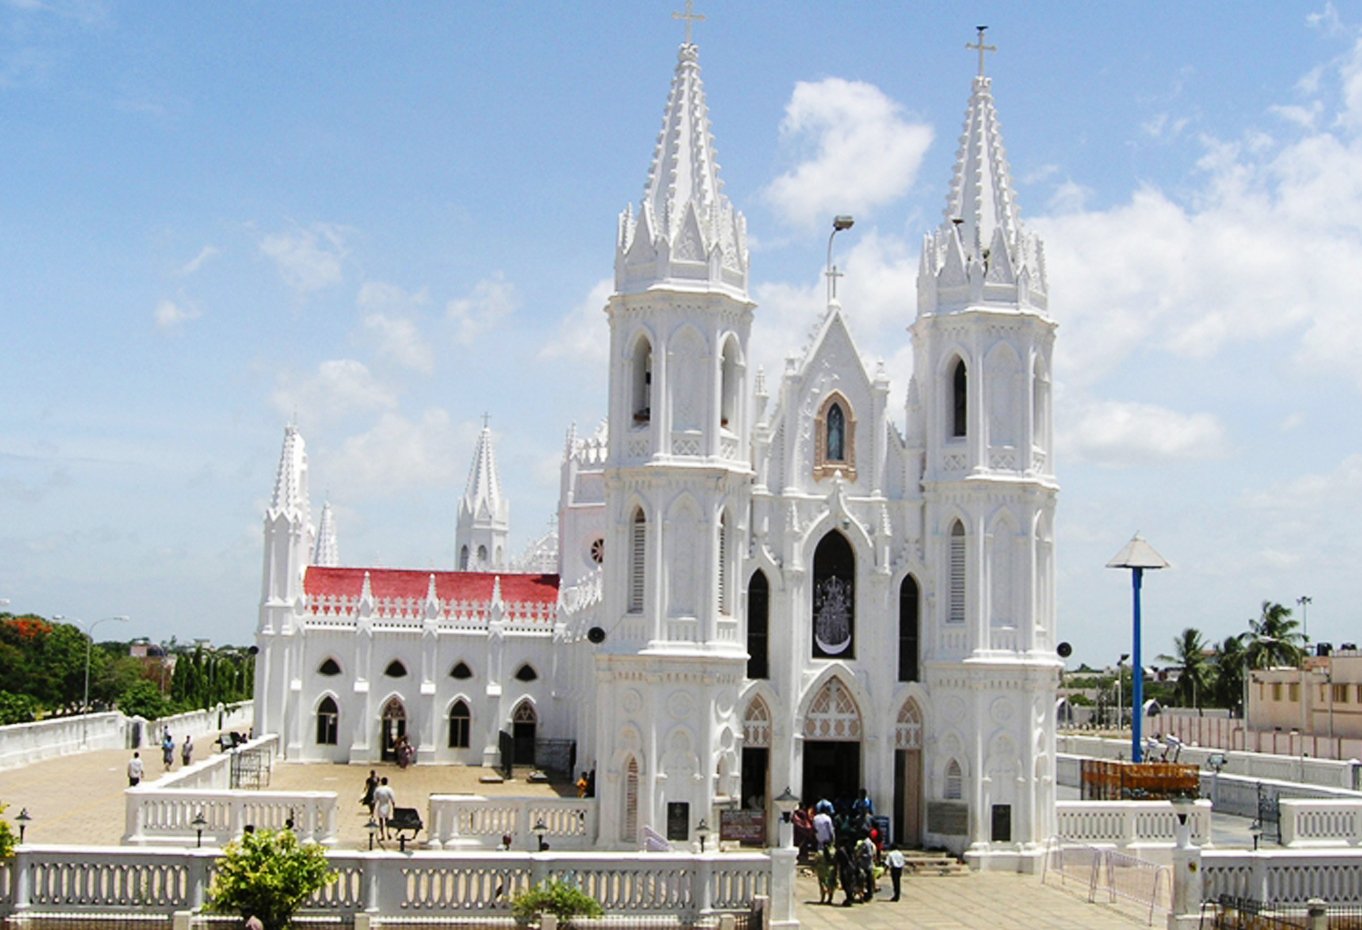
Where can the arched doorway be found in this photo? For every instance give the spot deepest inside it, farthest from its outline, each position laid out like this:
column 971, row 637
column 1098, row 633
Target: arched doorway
column 908, row 775
column 394, row 724
column 756, row 753
column 832, row 744
column 524, row 723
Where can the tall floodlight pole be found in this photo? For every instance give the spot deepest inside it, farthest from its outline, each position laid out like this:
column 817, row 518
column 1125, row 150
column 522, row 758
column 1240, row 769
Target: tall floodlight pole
column 1304, row 602
column 1137, row 556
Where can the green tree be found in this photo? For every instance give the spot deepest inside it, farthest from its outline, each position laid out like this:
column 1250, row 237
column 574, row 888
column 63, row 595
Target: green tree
column 270, row 875
column 17, row 708
column 1193, row 686
column 1230, row 659
column 1273, row 639
column 144, row 699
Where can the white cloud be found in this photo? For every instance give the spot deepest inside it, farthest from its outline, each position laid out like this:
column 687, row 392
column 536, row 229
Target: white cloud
column 198, row 261
column 398, row 452
column 390, row 327
column 491, row 300
column 339, row 387
column 308, row 259
column 859, row 151
column 168, row 313
column 1119, row 433
column 584, row 333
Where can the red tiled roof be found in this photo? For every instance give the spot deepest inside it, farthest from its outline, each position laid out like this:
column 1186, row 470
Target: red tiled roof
column 406, row 583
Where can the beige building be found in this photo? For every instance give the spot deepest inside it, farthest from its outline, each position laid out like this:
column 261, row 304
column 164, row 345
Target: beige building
column 1322, row 699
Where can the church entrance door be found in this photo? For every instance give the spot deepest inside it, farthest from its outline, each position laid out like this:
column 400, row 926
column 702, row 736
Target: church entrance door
column 524, row 723
column 832, row 770
column 394, row 724
column 908, row 776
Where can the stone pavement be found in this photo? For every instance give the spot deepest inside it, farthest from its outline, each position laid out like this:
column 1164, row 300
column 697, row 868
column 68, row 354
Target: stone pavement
column 79, row 799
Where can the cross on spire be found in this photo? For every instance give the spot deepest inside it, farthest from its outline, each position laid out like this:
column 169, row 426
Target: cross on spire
column 691, row 17
column 980, row 47
column 485, row 418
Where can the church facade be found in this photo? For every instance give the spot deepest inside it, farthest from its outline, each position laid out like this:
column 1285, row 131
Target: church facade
column 752, row 586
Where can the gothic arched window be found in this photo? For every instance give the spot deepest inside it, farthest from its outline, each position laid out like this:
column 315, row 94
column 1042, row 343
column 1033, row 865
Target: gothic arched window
column 834, row 598
column 395, row 669
column 758, row 619
column 728, row 387
column 641, row 397
column 638, row 551
column 460, row 721
column 955, row 782
column 908, row 629
column 526, row 672
column 837, row 426
column 328, row 721
column 463, row 558
column 959, row 398
column 329, row 667
column 461, row 670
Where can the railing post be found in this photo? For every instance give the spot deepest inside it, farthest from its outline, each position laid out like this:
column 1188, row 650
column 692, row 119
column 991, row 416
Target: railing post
column 783, row 887
column 1188, row 888
column 23, row 881
column 1318, row 913
column 370, row 879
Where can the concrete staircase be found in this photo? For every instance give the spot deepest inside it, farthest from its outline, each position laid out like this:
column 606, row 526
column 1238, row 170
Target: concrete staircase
column 921, row 862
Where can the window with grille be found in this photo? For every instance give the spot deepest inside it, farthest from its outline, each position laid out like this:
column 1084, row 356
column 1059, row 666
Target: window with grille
column 638, row 545
column 956, row 607
column 955, row 781
column 723, row 564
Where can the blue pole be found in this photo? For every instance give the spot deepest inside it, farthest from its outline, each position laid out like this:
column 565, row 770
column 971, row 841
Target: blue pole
column 1136, row 673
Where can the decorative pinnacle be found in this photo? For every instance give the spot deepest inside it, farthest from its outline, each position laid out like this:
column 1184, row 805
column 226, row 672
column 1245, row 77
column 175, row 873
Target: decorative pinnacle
column 691, row 17
column 980, row 47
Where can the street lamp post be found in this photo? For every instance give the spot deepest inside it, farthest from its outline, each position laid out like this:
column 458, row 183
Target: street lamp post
column 839, row 223
column 89, row 649
column 1119, row 706
column 1137, row 555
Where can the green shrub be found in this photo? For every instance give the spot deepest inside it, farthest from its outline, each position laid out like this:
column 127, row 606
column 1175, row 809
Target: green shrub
column 7, row 838
column 269, row 874
column 558, row 898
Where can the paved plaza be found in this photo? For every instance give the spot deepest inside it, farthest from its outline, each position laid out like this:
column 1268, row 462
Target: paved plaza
column 79, row 799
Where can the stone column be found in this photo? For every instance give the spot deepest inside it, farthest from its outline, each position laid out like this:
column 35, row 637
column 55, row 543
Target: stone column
column 783, row 887
column 1187, row 885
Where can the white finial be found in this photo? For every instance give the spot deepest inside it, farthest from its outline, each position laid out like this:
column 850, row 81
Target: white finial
column 691, row 17
column 981, row 48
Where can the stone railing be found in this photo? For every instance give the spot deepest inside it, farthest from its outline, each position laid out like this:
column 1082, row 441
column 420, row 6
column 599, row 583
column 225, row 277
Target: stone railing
column 1283, row 876
column 1292, row 768
column 1129, row 824
column 26, row 743
column 466, row 821
column 1306, row 823
column 163, row 812
column 116, row 880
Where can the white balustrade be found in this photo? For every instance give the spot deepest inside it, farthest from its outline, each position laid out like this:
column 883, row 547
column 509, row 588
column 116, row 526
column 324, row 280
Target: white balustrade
column 157, row 815
column 1318, row 823
column 1283, row 876
column 114, row 880
column 1129, row 824
column 466, row 821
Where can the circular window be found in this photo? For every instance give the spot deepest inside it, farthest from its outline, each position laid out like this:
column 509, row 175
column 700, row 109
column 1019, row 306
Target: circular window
column 598, row 550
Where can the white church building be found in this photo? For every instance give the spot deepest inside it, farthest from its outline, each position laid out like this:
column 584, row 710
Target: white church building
column 753, row 585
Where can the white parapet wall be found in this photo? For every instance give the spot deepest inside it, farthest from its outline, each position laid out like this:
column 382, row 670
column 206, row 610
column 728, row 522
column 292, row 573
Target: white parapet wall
column 465, row 821
column 1317, row 823
column 25, row 743
column 1284, row 877
column 116, row 881
column 1129, row 825
column 163, row 812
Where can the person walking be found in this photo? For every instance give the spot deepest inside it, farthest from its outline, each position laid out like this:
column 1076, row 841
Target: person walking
column 187, row 749
column 168, row 750
column 896, row 863
column 134, row 770
column 385, row 802
column 370, row 786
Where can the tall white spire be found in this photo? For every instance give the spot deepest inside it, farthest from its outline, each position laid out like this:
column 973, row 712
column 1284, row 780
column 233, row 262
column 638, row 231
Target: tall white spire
column 484, row 514
column 327, row 552
column 686, row 231
column 290, row 482
column 981, row 251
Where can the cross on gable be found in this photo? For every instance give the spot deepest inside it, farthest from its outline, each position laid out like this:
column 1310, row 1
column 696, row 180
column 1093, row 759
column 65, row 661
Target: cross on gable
column 980, row 47
column 691, row 17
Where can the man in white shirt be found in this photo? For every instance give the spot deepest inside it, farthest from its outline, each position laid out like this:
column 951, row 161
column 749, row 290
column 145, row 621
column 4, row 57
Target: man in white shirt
column 385, row 801
column 823, row 832
column 134, row 770
column 895, row 860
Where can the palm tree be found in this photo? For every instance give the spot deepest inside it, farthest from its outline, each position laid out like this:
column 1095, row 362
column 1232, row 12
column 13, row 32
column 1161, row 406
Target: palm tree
column 1229, row 672
column 1272, row 639
column 1194, row 682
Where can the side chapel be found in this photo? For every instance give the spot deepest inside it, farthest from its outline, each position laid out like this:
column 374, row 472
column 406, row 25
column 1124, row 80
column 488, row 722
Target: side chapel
column 750, row 586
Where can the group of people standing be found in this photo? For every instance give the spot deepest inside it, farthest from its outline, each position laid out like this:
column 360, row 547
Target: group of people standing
column 137, row 769
column 846, row 849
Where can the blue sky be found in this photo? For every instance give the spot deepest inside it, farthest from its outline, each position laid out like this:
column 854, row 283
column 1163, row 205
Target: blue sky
column 388, row 219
